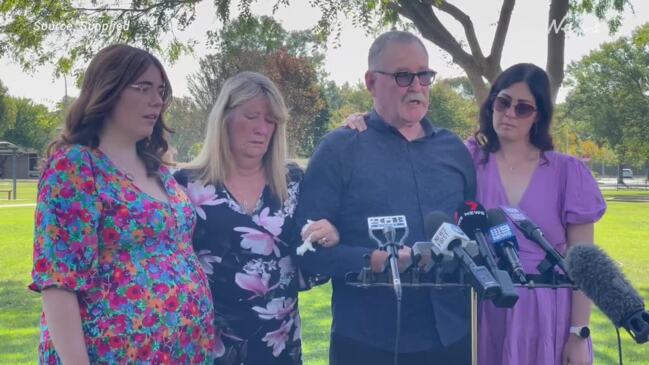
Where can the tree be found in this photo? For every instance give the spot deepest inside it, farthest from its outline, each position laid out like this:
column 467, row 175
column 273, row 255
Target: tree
column 31, row 27
column 611, row 93
column 188, row 123
column 450, row 109
column 4, row 110
column 287, row 58
column 33, row 126
column 345, row 100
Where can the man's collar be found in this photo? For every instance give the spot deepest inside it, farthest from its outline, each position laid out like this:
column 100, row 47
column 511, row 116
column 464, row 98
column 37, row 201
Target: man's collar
column 376, row 121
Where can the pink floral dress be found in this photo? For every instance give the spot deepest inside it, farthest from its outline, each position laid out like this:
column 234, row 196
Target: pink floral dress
column 252, row 275
column 143, row 296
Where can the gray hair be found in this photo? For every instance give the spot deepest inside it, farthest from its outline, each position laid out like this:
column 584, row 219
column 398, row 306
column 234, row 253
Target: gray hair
column 380, row 44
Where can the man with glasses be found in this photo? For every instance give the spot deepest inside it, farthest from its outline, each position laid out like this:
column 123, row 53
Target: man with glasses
column 401, row 165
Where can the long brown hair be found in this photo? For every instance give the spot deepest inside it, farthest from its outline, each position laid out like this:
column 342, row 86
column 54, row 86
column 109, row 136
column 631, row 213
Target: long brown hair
column 109, row 73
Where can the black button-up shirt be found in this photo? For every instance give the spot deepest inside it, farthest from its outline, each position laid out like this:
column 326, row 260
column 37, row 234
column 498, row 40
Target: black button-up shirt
column 355, row 175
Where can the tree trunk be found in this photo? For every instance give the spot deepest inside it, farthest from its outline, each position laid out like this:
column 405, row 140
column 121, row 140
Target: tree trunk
column 620, row 179
column 557, row 18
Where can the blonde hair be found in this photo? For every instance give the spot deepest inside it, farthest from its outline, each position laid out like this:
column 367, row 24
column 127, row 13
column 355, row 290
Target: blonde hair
column 214, row 161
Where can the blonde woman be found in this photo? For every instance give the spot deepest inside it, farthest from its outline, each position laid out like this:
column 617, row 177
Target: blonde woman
column 245, row 196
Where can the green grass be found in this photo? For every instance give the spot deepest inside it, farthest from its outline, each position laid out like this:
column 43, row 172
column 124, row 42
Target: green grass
column 622, row 232
column 26, row 192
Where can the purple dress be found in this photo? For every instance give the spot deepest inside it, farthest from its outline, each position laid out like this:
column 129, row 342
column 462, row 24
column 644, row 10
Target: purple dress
column 561, row 192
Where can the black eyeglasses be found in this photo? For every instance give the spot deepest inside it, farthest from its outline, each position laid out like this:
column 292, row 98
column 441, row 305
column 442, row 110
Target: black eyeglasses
column 521, row 110
column 405, row 78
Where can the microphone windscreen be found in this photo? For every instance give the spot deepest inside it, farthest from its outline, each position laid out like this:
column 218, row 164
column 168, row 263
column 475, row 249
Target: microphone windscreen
column 495, row 217
column 471, row 216
column 433, row 221
column 599, row 278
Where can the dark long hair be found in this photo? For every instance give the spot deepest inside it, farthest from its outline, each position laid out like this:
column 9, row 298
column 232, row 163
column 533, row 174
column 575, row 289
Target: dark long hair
column 109, row 73
column 539, row 84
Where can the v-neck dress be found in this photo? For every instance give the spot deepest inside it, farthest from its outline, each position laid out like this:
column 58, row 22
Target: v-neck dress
column 249, row 262
column 143, row 297
column 560, row 193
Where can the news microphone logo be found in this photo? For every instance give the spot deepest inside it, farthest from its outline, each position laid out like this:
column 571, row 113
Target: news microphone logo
column 447, row 233
column 514, row 214
column 380, row 223
column 501, row 232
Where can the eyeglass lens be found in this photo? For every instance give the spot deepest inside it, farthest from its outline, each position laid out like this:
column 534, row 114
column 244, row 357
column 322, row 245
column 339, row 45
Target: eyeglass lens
column 404, row 79
column 521, row 110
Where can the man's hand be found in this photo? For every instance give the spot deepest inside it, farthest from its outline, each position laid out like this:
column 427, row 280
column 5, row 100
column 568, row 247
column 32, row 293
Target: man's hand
column 378, row 258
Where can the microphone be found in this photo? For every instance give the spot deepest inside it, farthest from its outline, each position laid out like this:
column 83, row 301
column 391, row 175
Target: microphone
column 449, row 238
column 599, row 278
column 421, row 249
column 533, row 233
column 472, row 219
column 388, row 226
column 503, row 238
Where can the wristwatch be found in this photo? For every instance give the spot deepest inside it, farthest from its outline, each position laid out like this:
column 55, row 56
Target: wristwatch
column 581, row 331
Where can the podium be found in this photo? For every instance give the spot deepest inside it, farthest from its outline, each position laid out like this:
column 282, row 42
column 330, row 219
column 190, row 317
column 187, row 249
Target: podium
column 441, row 279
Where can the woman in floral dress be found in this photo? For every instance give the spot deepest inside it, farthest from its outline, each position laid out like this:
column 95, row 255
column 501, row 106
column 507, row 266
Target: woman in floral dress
column 245, row 197
column 112, row 245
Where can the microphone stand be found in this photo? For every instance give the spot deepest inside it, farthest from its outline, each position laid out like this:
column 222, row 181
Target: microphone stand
column 392, row 247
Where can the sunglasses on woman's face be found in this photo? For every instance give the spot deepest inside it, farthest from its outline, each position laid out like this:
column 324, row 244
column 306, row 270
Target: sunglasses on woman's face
column 521, row 110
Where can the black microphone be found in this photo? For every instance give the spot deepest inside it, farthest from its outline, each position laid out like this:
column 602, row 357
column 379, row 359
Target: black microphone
column 533, row 233
column 503, row 238
column 472, row 219
column 449, row 239
column 599, row 278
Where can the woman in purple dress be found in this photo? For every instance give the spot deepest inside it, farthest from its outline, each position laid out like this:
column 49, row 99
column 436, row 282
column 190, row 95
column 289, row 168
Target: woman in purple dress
column 516, row 167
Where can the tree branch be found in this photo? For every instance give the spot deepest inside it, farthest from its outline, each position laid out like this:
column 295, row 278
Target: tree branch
column 467, row 24
column 163, row 4
column 432, row 29
column 499, row 37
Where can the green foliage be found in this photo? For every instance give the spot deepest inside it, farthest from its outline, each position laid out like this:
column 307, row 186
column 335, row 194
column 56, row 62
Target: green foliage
column 290, row 59
column 188, row 122
column 67, row 33
column 346, row 100
column 452, row 110
column 611, row 94
column 31, row 125
column 607, row 10
column 5, row 117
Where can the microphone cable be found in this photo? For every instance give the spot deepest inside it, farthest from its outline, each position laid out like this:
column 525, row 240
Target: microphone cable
column 619, row 344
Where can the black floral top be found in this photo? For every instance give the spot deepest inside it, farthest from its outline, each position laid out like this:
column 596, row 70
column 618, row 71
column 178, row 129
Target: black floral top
column 251, row 271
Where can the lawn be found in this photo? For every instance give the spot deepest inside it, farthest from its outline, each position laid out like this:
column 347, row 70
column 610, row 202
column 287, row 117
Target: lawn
column 622, row 232
column 26, row 192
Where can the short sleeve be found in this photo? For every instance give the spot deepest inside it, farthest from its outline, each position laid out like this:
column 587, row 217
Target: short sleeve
column 474, row 150
column 66, row 219
column 583, row 202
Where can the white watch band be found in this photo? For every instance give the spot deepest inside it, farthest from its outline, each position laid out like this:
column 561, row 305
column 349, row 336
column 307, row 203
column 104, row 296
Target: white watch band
column 576, row 330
